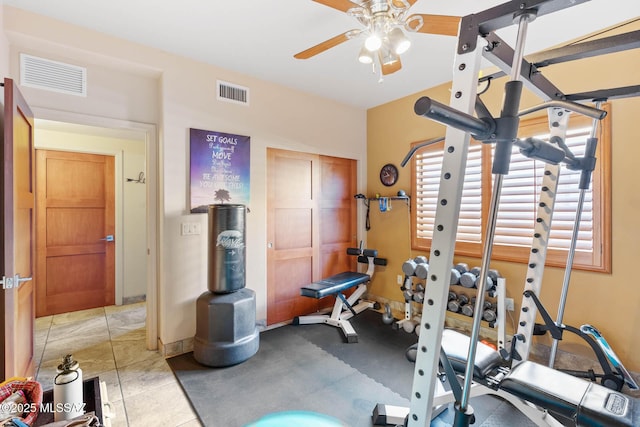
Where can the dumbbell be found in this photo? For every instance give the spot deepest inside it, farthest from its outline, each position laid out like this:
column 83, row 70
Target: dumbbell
column 489, row 315
column 421, row 259
column 467, row 310
column 416, row 294
column 461, row 267
column 489, row 312
column 470, row 278
column 494, row 274
column 422, row 270
column 419, row 297
column 455, row 277
column 455, row 304
column 407, row 294
column 410, row 265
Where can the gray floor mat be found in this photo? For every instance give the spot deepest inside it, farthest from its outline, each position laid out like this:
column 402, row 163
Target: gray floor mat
column 310, row 367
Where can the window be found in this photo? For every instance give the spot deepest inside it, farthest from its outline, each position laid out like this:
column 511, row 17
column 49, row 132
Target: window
column 519, row 200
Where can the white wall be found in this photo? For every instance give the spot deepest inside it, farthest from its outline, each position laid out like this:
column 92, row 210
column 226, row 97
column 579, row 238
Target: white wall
column 131, row 276
column 131, row 82
column 277, row 117
column 4, row 46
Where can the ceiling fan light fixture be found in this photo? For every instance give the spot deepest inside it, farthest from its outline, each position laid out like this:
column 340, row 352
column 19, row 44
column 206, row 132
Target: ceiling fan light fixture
column 388, row 57
column 365, row 56
column 398, row 41
column 373, row 42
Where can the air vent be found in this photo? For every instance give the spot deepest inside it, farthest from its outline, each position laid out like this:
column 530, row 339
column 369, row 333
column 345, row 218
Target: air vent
column 51, row 75
column 230, row 92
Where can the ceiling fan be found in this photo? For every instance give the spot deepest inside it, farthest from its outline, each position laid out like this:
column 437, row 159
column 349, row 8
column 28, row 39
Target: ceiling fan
column 385, row 23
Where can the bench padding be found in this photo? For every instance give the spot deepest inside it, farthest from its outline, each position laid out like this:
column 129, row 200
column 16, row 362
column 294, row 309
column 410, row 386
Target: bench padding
column 456, row 347
column 587, row 403
column 334, row 284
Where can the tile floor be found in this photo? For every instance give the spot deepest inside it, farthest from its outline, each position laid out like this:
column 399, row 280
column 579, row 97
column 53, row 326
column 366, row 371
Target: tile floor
column 109, row 342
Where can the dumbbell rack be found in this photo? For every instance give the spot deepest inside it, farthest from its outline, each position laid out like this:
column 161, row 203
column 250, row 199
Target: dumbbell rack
column 409, row 322
column 460, row 321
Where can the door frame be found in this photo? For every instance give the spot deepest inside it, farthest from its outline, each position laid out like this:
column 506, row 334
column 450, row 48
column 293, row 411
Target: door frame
column 149, row 132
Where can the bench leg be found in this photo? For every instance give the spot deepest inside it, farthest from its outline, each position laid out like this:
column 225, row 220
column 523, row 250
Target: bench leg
column 341, row 313
column 310, row 320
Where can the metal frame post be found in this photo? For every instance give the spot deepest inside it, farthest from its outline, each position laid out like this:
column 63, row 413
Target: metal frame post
column 590, row 151
column 558, row 122
column 513, row 90
column 463, row 98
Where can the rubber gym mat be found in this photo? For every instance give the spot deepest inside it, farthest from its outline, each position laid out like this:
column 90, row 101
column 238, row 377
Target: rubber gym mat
column 379, row 354
column 310, row 367
column 288, row 373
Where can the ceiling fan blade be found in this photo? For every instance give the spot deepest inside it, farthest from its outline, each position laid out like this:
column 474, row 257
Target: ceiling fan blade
column 342, row 5
column 445, row 25
column 391, row 67
column 321, row 47
column 400, row 3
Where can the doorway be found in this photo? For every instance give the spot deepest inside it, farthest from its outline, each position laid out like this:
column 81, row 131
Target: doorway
column 136, row 189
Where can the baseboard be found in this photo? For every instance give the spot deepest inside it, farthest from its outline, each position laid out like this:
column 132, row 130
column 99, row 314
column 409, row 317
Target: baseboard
column 134, row 299
column 175, row 348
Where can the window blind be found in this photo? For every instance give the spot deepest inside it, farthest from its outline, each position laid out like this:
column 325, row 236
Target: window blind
column 519, row 200
column 428, row 164
column 520, row 195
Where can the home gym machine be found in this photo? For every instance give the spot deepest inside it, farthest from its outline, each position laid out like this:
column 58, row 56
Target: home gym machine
column 540, row 388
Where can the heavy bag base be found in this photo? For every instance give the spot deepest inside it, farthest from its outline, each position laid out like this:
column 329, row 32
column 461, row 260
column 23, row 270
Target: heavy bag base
column 226, row 332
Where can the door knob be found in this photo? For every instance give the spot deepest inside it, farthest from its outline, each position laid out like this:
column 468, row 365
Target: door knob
column 109, row 238
column 13, row 282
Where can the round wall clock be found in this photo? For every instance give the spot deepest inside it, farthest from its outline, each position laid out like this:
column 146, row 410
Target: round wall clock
column 389, row 174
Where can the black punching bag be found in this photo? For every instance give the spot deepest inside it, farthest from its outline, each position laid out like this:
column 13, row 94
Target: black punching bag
column 226, row 332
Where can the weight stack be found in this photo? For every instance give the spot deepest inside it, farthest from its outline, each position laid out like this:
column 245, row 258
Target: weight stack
column 226, row 332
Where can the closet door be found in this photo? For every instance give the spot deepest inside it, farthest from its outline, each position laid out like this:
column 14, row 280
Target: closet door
column 310, row 223
column 337, row 212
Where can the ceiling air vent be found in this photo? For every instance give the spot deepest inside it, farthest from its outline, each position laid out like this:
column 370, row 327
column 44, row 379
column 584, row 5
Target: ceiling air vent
column 230, row 92
column 51, row 75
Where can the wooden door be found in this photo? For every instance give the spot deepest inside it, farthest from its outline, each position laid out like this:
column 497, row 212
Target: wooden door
column 311, row 220
column 75, row 217
column 338, row 218
column 17, row 233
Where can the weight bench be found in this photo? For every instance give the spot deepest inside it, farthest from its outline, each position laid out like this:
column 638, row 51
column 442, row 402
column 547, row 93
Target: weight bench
column 583, row 402
column 543, row 394
column 344, row 308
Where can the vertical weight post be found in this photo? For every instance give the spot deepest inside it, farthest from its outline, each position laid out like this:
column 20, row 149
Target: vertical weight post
column 463, row 97
column 509, row 121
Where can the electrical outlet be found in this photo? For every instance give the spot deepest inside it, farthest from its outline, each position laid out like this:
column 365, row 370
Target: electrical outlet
column 399, row 279
column 508, row 303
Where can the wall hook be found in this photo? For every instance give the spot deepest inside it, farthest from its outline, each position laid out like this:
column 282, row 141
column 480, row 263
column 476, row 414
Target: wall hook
column 140, row 180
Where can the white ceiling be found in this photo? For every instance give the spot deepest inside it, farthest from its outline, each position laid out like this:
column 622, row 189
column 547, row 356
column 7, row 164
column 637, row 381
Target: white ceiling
column 260, row 37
